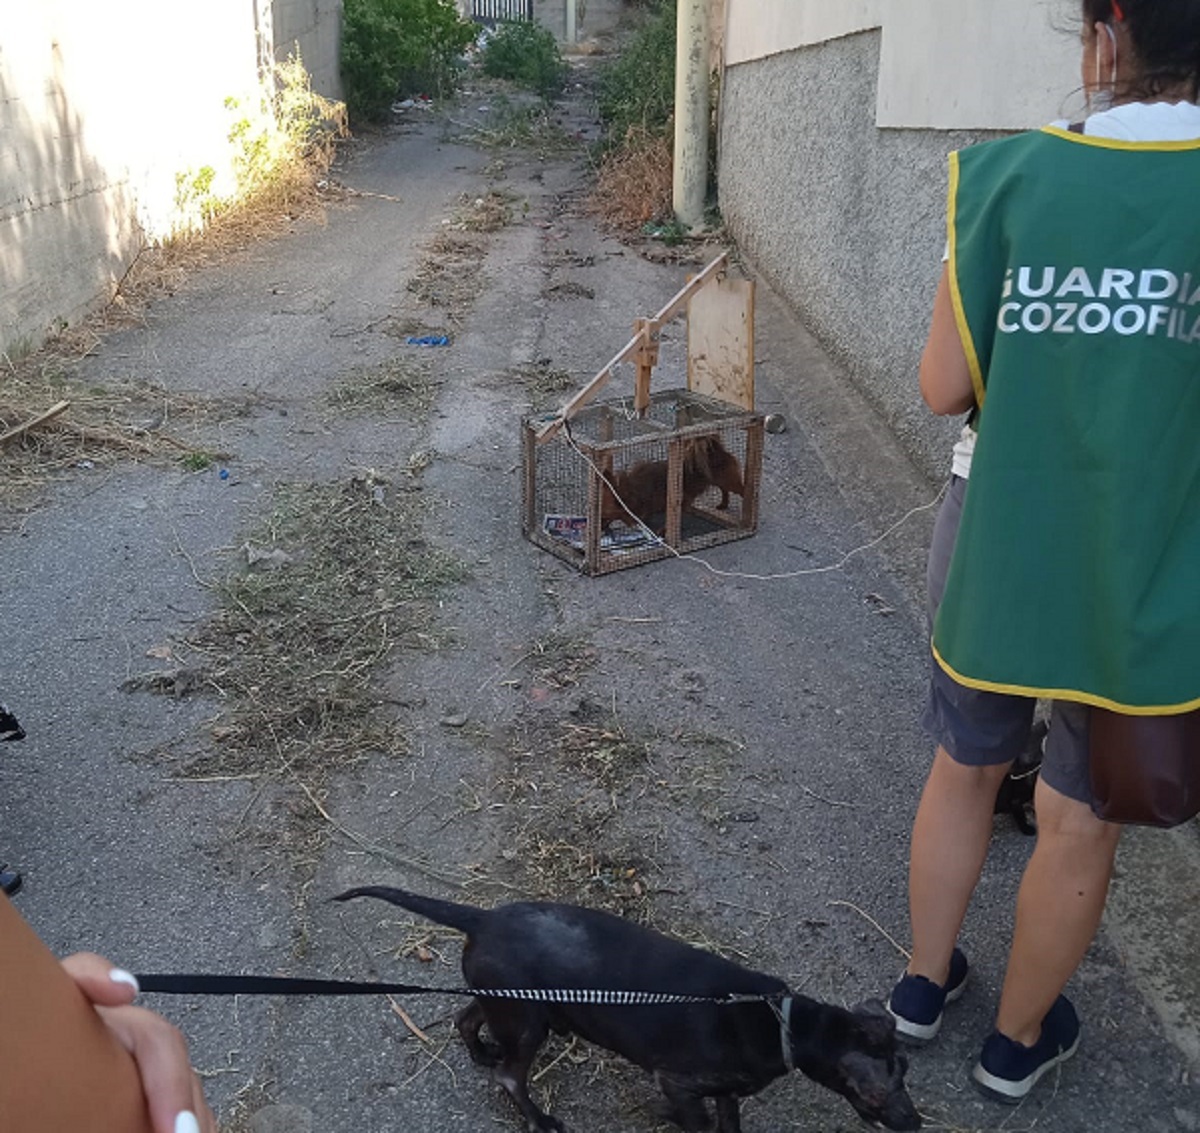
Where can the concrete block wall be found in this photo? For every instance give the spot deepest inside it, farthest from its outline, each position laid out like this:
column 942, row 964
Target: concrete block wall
column 844, row 219
column 315, row 26
column 103, row 109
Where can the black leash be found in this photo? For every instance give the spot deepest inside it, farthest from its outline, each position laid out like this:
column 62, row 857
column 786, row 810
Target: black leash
column 275, row 985
column 175, row 984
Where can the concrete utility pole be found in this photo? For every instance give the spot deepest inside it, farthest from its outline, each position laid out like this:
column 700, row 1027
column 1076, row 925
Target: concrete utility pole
column 572, row 33
column 691, row 112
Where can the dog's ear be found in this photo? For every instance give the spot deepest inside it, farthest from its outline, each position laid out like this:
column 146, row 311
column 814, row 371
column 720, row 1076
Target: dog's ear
column 873, row 1007
column 877, row 1022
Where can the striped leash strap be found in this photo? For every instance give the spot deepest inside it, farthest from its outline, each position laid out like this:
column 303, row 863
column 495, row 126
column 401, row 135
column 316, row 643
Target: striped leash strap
column 175, row 984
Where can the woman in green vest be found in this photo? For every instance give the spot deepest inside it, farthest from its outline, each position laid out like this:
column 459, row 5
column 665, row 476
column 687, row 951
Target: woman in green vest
column 1068, row 319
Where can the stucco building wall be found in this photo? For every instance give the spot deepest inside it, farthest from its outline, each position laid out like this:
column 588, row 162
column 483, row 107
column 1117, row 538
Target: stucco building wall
column 845, row 220
column 836, row 121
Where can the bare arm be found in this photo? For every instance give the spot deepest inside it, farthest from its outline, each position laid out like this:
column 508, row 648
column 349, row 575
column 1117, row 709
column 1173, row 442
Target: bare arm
column 66, row 1043
column 173, row 1093
column 946, row 382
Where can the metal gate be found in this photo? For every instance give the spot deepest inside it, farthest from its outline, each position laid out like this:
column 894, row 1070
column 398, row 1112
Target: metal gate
column 494, row 11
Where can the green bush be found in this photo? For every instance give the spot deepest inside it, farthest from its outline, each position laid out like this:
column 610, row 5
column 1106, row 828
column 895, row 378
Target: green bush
column 638, row 89
column 395, row 48
column 526, row 53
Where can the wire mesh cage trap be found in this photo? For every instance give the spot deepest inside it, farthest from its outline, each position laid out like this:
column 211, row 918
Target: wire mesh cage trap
column 617, row 483
column 615, row 488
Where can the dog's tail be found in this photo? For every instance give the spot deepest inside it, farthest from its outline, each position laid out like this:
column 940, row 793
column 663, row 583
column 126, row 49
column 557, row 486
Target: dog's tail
column 465, row 918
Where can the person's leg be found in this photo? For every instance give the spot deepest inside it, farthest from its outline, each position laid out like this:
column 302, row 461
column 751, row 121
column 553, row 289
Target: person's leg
column 1059, row 907
column 954, row 819
column 978, row 735
column 949, row 845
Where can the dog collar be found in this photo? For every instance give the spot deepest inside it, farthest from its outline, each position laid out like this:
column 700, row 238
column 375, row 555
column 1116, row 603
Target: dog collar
column 785, row 1032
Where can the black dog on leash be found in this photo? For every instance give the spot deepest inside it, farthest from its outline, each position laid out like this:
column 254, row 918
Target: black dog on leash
column 695, row 1051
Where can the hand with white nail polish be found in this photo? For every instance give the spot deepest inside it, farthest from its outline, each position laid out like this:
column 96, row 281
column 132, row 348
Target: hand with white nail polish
column 173, row 1095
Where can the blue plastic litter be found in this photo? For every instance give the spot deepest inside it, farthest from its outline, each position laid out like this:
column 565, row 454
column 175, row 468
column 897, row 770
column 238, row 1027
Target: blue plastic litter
column 428, row 340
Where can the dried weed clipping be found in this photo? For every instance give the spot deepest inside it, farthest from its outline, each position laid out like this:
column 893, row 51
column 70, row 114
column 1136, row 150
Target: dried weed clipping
column 342, row 578
column 634, row 183
column 52, row 423
column 282, row 153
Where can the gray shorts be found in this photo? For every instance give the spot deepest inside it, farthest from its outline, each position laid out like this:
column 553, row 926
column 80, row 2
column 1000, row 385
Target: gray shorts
column 980, row 728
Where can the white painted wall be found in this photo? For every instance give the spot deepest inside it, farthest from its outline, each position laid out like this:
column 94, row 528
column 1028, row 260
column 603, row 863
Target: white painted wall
column 969, row 65
column 758, row 28
column 944, row 64
column 103, row 107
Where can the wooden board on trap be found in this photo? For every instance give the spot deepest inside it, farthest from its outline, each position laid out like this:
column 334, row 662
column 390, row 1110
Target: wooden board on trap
column 564, row 495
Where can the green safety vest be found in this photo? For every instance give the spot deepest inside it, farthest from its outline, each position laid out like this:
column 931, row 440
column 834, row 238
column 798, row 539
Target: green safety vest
column 1075, row 277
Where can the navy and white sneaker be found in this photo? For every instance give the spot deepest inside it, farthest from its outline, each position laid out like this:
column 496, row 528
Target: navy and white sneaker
column 916, row 1003
column 1007, row 1071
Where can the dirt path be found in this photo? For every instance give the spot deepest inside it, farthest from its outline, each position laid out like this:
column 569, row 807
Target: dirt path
column 446, row 707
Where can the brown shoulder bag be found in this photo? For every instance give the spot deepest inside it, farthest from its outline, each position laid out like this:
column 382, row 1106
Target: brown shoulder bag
column 1145, row 770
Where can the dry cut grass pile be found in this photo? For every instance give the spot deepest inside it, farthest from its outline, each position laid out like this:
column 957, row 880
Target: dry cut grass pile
column 52, row 422
column 487, row 213
column 634, row 184
column 336, row 579
column 404, row 383
column 448, row 276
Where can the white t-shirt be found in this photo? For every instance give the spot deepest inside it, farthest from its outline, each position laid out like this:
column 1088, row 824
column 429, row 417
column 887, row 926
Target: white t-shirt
column 1132, row 122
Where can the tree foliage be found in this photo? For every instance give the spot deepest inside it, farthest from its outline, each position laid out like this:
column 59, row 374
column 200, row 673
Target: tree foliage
column 525, row 53
column 397, row 48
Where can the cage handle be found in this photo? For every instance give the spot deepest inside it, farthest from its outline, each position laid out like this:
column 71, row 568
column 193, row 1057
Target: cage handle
column 643, row 347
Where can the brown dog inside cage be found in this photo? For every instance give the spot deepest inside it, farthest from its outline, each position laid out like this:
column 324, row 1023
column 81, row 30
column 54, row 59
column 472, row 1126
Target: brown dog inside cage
column 637, row 495
column 616, row 489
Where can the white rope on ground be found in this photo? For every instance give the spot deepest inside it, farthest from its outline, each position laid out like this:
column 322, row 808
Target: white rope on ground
column 691, row 557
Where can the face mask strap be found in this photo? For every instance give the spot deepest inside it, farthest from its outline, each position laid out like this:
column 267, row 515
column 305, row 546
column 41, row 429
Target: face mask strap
column 1112, row 82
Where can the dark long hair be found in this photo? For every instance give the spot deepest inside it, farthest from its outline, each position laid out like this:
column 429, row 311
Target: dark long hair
column 1166, row 38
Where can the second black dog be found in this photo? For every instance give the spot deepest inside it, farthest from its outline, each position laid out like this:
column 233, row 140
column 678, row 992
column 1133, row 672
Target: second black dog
column 695, row 1051
column 1015, row 796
